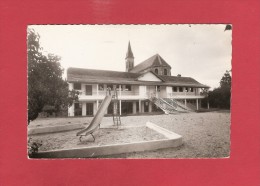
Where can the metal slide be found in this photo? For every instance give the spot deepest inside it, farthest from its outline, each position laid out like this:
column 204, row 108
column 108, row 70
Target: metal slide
column 97, row 118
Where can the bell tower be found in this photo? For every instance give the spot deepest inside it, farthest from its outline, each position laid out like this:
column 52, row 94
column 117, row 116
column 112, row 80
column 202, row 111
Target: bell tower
column 129, row 59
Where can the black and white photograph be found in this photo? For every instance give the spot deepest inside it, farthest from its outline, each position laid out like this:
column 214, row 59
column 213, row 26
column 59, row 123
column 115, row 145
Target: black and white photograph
column 129, row 91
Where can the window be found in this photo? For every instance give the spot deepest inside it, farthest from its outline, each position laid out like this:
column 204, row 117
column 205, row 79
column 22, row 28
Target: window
column 77, row 105
column 191, row 89
column 186, row 89
column 156, row 71
column 158, row 88
column 101, row 87
column 180, row 89
column 174, row 89
column 165, row 72
column 110, row 86
column 77, row 86
column 128, row 88
column 117, row 87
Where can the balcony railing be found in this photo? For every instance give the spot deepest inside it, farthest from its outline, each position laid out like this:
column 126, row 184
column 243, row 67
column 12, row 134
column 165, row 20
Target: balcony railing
column 103, row 93
column 184, row 94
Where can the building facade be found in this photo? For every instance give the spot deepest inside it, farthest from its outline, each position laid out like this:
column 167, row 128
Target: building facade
column 135, row 87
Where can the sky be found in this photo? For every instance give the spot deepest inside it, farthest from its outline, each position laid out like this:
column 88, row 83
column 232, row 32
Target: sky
column 201, row 51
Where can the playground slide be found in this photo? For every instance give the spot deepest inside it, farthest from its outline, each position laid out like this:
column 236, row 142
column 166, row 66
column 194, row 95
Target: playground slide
column 98, row 117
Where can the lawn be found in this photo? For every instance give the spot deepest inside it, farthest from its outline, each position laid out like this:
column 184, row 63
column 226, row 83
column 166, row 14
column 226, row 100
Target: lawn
column 205, row 135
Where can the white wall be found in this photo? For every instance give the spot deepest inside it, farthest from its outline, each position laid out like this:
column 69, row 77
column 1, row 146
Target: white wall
column 149, row 77
column 70, row 86
column 71, row 110
column 142, row 90
column 168, row 90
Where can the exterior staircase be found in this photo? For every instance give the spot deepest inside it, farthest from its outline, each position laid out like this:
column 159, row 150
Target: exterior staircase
column 188, row 107
column 166, row 107
column 171, row 106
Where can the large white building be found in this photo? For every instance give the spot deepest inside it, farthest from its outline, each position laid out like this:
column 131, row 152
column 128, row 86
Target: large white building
column 136, row 87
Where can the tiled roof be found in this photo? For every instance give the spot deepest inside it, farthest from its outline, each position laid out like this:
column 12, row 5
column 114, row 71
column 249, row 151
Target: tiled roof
column 115, row 77
column 153, row 61
column 179, row 79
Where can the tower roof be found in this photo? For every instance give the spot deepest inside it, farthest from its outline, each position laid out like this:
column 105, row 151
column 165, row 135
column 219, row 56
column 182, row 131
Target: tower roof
column 129, row 53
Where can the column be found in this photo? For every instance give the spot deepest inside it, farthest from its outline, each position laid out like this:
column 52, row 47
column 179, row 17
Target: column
column 140, row 106
column 84, row 109
column 97, row 104
column 120, row 90
column 120, row 105
column 197, row 104
column 94, row 108
column 134, row 107
column 97, row 90
column 185, row 102
column 208, row 104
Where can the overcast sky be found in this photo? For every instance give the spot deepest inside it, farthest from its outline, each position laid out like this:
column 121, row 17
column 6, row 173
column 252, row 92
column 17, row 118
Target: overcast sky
column 202, row 52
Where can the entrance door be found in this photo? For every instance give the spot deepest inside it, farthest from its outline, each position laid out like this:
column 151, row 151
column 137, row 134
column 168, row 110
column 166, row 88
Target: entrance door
column 146, row 106
column 89, row 109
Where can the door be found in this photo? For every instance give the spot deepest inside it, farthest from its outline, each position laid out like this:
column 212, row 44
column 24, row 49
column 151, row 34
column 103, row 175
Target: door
column 146, row 106
column 89, row 109
column 77, row 109
column 88, row 89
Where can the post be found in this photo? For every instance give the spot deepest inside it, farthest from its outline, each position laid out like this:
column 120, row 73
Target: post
column 140, row 106
column 120, row 105
column 185, row 102
column 120, row 90
column 197, row 103
column 97, row 104
column 97, row 90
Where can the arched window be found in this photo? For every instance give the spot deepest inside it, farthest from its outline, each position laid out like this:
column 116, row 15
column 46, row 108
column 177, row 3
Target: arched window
column 165, row 72
column 156, row 71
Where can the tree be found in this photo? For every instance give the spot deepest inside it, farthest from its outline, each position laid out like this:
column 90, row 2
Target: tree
column 45, row 83
column 220, row 97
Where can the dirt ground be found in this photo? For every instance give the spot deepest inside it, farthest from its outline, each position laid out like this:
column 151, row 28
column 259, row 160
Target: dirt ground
column 205, row 135
column 103, row 136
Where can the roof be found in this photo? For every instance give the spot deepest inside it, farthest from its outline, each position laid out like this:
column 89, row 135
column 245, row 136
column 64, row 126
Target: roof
column 116, row 77
column 178, row 79
column 154, row 61
column 129, row 53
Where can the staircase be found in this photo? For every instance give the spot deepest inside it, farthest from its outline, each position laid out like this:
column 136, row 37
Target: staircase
column 170, row 106
column 166, row 107
column 180, row 106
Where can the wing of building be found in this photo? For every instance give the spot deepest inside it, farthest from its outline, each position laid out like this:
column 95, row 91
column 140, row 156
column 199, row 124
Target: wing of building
column 135, row 86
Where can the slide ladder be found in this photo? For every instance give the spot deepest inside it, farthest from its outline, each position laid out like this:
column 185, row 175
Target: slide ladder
column 116, row 112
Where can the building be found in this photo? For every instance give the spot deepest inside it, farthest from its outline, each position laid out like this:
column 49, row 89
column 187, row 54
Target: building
column 136, row 86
